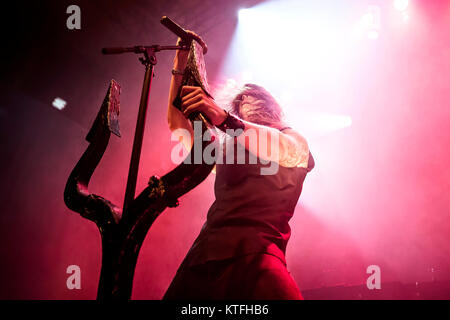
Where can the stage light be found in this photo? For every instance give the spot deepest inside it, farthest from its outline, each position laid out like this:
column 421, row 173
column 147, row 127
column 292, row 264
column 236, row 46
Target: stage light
column 243, row 13
column 231, row 83
column 286, row 38
column 286, row 98
column 331, row 122
column 247, row 76
column 405, row 17
column 315, row 123
column 369, row 23
column 59, row 103
column 373, row 34
column 287, row 48
column 368, row 20
column 401, row 5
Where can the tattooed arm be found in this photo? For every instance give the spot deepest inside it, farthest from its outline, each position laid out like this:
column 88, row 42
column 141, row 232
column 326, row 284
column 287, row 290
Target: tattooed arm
column 288, row 148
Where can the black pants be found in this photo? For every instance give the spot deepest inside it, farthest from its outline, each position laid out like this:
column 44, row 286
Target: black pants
column 254, row 277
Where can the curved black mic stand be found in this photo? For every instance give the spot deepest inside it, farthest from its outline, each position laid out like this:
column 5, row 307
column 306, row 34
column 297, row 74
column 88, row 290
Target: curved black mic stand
column 149, row 61
column 123, row 231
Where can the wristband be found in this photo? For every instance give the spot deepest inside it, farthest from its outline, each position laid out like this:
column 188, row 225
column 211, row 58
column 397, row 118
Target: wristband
column 232, row 123
column 176, row 71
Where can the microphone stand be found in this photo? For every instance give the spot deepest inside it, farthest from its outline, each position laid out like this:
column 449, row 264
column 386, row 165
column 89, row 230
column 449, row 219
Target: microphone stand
column 149, row 61
column 123, row 230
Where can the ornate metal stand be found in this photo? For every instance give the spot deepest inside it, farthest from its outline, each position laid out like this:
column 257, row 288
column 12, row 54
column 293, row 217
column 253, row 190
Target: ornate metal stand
column 123, row 231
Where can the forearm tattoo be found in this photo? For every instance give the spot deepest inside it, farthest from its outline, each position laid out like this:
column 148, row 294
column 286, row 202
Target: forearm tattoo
column 294, row 155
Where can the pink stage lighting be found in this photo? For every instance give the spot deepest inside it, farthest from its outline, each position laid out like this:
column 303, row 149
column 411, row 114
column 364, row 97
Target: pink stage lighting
column 401, row 5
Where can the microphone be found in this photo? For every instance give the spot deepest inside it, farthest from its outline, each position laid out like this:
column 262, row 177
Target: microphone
column 185, row 36
column 175, row 28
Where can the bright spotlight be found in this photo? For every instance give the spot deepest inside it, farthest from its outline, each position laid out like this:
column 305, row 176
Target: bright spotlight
column 283, row 45
column 405, row 17
column 401, row 5
column 373, row 34
column 368, row 20
column 246, row 76
column 242, row 13
column 59, row 103
column 369, row 23
column 231, row 83
column 332, row 122
column 319, row 123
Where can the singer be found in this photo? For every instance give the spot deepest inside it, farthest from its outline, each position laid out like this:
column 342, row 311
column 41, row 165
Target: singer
column 240, row 251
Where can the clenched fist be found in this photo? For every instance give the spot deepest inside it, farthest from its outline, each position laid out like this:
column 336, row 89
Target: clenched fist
column 194, row 99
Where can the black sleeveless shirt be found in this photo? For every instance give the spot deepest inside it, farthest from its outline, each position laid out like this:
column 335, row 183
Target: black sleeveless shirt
column 251, row 211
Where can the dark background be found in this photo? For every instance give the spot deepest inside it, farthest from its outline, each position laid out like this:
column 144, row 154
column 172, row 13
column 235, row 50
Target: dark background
column 379, row 195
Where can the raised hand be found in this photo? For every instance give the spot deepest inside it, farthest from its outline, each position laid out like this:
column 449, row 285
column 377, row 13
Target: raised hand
column 194, row 99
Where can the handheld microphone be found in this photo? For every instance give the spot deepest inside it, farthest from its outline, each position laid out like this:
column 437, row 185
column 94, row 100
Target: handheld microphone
column 185, row 36
column 175, row 28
